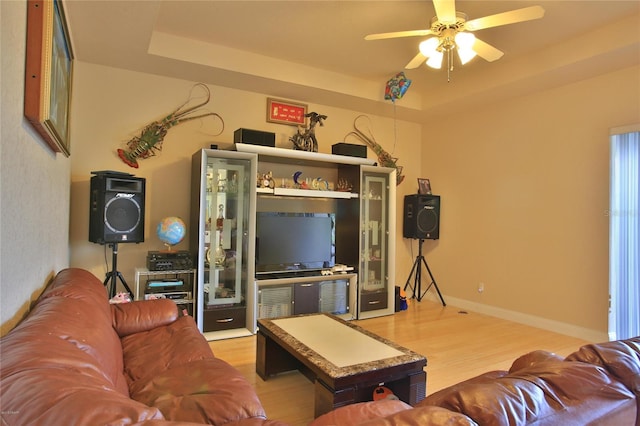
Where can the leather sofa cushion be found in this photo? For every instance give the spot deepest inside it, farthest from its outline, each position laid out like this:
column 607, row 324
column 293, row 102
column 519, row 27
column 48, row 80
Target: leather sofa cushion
column 423, row 416
column 355, row 414
column 621, row 358
column 131, row 318
column 391, row 412
column 186, row 384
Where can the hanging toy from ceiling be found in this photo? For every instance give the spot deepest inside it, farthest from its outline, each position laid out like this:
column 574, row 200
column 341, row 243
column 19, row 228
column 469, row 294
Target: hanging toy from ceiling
column 150, row 140
column 396, row 87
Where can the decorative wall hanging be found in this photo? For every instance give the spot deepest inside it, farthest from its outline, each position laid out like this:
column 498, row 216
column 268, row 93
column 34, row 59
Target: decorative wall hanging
column 384, row 158
column 286, row 112
column 150, row 140
column 306, row 141
column 49, row 69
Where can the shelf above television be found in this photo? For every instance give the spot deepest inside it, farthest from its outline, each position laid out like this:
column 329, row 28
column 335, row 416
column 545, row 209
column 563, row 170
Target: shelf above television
column 286, row 155
column 307, row 193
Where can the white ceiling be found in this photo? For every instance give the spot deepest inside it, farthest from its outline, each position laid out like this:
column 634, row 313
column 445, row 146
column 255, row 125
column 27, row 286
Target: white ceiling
column 314, row 51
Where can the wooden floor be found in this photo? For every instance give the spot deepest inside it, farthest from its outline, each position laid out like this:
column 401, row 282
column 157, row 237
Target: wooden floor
column 458, row 345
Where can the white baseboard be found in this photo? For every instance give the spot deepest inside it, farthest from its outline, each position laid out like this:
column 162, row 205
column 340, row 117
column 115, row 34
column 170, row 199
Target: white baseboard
column 531, row 320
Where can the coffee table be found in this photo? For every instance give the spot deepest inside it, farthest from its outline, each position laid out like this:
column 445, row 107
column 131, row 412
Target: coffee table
column 345, row 362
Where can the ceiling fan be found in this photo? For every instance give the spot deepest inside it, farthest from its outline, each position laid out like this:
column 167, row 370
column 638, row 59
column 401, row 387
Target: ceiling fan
column 452, row 30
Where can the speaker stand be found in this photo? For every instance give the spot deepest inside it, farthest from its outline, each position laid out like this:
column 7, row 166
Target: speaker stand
column 114, row 274
column 417, row 283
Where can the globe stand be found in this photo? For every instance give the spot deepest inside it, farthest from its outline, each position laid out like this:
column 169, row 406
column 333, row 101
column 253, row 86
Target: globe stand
column 114, row 274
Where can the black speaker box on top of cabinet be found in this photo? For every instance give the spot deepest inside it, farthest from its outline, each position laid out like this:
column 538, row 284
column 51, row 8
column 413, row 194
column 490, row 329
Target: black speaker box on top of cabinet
column 254, row 137
column 421, row 217
column 350, row 149
column 116, row 211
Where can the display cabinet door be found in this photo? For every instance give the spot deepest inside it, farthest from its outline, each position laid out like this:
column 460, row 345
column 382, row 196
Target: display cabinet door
column 225, row 223
column 374, row 234
column 377, row 241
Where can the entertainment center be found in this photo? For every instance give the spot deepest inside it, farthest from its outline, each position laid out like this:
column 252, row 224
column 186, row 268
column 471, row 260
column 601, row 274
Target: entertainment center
column 280, row 232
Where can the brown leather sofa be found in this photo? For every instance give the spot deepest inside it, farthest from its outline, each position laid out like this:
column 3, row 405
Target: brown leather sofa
column 596, row 385
column 77, row 360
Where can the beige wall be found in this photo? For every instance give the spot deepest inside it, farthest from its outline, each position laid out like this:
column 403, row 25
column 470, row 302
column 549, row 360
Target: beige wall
column 524, row 188
column 34, row 186
column 113, row 104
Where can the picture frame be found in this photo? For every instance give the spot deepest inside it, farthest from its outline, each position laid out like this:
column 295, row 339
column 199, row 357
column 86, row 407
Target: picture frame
column 286, row 112
column 424, row 186
column 48, row 73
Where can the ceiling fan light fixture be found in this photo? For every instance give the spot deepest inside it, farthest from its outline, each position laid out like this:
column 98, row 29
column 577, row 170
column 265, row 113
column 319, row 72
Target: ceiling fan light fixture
column 466, row 55
column 465, row 40
column 435, row 60
column 429, row 47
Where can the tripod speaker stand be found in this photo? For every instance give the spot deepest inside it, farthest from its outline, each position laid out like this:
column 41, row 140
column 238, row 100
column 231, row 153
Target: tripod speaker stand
column 114, row 274
column 417, row 283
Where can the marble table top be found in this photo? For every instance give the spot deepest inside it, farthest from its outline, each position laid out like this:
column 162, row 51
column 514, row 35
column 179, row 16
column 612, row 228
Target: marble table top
column 338, row 347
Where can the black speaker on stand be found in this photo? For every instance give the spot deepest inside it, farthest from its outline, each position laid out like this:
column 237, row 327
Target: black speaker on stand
column 421, row 221
column 421, row 217
column 116, row 215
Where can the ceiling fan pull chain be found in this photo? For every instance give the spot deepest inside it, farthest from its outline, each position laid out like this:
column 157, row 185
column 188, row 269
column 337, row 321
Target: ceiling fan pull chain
column 449, row 65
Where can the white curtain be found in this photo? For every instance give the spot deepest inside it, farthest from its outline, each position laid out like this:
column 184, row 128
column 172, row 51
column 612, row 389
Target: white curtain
column 624, row 234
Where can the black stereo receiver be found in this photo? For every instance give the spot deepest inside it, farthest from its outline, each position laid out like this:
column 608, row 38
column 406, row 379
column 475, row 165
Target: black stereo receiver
column 169, row 260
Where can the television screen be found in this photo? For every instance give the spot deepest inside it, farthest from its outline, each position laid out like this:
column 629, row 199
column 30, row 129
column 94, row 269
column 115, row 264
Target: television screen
column 294, row 241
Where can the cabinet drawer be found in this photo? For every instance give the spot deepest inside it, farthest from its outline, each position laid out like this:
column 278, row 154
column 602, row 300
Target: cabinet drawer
column 224, row 319
column 372, row 301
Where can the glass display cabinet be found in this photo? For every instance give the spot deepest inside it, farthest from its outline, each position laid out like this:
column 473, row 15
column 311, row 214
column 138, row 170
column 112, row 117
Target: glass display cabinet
column 376, row 270
column 223, row 229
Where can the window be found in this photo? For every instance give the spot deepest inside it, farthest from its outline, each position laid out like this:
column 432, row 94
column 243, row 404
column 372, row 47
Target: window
column 624, row 234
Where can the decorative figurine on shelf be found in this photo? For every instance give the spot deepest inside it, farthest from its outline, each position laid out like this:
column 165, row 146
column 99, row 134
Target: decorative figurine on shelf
column 266, row 180
column 306, row 140
column 220, row 218
column 344, row 186
column 320, row 184
column 219, row 255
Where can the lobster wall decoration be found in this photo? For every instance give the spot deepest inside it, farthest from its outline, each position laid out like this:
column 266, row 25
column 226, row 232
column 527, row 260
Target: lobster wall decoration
column 384, row 158
column 151, row 137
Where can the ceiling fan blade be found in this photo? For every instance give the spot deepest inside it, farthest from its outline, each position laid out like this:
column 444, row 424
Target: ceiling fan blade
column 445, row 11
column 486, row 51
column 398, row 34
column 505, row 18
column 418, row 60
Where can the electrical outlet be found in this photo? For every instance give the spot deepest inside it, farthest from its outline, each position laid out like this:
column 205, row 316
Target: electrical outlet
column 480, row 287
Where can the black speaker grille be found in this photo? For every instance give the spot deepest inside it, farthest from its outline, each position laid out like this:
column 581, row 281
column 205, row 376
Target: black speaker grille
column 427, row 220
column 122, row 214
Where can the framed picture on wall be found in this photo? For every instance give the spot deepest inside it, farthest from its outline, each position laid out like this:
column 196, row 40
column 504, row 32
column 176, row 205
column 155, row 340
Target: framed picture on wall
column 286, row 112
column 424, row 186
column 49, row 69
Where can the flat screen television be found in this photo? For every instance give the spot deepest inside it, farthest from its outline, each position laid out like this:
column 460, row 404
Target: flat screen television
column 287, row 242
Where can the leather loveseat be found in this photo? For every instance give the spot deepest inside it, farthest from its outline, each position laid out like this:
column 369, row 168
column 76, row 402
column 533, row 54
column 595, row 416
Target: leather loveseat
column 596, row 385
column 78, row 360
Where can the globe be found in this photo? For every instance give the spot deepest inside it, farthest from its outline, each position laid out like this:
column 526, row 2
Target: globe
column 171, row 230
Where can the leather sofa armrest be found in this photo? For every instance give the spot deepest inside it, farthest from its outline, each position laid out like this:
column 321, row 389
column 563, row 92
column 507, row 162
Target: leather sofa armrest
column 143, row 315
